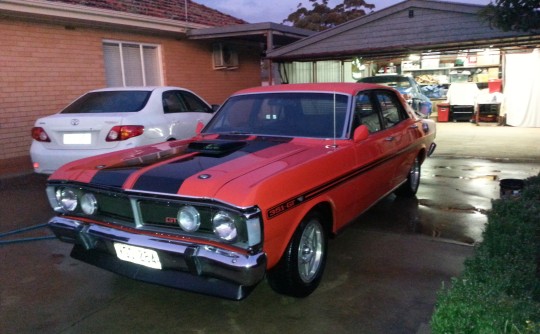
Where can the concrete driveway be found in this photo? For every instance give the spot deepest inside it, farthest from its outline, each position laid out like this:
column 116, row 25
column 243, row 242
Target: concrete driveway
column 382, row 276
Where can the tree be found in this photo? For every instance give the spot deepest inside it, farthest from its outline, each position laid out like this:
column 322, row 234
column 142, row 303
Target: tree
column 322, row 17
column 513, row 15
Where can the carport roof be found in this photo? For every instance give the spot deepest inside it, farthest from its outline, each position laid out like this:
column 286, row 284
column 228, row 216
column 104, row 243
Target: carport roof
column 409, row 26
column 272, row 34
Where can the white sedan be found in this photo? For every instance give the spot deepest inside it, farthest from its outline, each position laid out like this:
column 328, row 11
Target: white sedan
column 113, row 119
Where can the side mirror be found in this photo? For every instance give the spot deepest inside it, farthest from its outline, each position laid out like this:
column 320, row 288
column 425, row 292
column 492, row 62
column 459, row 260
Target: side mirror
column 360, row 133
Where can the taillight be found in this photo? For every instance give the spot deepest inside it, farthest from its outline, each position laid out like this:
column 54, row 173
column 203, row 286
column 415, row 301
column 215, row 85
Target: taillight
column 123, row 132
column 39, row 134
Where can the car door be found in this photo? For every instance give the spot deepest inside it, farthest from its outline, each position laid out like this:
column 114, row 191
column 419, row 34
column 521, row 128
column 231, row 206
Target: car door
column 183, row 110
column 374, row 154
column 397, row 127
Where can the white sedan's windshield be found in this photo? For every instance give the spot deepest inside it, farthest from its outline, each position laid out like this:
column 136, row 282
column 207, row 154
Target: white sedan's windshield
column 109, row 102
column 302, row 114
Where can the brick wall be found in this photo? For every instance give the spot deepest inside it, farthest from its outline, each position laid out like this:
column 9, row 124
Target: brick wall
column 213, row 85
column 44, row 66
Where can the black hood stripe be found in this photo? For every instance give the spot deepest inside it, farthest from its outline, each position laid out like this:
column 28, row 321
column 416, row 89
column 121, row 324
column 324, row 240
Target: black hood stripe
column 117, row 174
column 114, row 177
column 168, row 178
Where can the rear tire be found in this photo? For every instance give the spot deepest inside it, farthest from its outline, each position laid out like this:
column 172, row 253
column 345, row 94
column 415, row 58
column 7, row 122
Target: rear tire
column 300, row 269
column 410, row 187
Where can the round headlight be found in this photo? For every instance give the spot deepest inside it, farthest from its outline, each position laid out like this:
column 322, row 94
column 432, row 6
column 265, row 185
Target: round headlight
column 189, row 218
column 224, row 226
column 89, row 204
column 67, row 198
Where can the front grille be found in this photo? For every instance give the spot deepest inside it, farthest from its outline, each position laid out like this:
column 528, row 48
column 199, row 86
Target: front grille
column 115, row 208
column 159, row 215
column 164, row 214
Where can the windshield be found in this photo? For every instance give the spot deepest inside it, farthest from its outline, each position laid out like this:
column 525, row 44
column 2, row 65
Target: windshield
column 108, row 102
column 302, row 114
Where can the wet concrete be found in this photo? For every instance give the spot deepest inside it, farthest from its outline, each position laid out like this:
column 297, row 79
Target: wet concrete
column 452, row 201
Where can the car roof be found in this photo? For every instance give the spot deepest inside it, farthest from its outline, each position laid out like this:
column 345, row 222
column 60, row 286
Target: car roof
column 350, row 88
column 141, row 88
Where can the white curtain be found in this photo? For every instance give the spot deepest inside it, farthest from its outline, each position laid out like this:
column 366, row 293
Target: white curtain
column 522, row 89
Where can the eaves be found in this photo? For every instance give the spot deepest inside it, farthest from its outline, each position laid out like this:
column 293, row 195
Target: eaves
column 95, row 17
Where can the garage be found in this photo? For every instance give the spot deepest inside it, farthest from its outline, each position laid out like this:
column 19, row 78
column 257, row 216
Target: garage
column 469, row 71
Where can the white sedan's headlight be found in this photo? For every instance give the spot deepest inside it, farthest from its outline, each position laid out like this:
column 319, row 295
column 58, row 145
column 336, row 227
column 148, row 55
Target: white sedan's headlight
column 189, row 218
column 225, row 226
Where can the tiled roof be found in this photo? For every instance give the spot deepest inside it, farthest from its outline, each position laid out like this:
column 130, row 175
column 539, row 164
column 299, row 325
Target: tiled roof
column 164, row 9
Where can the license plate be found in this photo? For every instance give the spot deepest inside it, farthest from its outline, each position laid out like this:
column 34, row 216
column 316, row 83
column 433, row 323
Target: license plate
column 143, row 256
column 77, row 138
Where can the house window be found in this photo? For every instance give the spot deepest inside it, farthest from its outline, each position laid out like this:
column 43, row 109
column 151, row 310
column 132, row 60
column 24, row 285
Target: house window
column 131, row 64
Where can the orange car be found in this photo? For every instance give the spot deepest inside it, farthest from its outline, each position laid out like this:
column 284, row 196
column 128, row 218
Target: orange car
column 256, row 193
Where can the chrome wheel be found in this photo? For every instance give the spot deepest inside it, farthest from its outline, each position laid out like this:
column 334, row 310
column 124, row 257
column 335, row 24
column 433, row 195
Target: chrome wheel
column 310, row 251
column 301, row 266
column 414, row 175
column 410, row 187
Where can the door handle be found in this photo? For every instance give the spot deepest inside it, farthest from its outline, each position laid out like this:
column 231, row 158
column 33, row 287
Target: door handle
column 391, row 138
column 414, row 126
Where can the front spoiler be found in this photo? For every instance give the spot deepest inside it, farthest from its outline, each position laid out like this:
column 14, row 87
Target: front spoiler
column 187, row 266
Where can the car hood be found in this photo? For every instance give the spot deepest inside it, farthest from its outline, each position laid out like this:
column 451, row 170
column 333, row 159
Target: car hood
column 201, row 168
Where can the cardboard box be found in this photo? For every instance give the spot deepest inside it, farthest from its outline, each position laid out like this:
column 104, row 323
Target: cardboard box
column 489, row 57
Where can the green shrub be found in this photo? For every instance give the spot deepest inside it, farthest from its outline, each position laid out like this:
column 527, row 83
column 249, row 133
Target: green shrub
column 499, row 289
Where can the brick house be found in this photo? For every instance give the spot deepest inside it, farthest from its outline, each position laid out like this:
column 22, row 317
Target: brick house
column 53, row 51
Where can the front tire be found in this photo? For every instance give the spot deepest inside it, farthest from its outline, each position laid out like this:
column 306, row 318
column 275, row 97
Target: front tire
column 410, row 187
column 300, row 269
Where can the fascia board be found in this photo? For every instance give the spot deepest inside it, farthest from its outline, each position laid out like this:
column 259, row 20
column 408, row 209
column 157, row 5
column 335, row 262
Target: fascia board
column 94, row 15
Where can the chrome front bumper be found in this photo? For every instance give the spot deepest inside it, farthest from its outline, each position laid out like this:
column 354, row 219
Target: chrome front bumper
column 185, row 265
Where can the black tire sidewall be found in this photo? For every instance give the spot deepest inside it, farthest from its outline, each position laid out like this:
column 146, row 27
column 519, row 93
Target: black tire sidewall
column 407, row 189
column 285, row 276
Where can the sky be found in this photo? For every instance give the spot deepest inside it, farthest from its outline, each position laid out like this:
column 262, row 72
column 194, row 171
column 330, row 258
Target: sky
column 254, row 11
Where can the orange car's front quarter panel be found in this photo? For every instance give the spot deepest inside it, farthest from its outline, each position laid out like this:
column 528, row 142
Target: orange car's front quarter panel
column 287, row 189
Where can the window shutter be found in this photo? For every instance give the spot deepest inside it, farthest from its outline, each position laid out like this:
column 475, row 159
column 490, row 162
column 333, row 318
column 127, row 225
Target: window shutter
column 113, row 65
column 132, row 65
column 151, row 66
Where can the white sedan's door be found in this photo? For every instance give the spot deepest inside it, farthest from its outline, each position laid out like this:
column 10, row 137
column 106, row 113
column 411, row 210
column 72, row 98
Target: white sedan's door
column 183, row 110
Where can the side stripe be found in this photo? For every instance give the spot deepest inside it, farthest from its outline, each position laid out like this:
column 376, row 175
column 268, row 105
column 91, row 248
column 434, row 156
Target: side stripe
column 292, row 202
